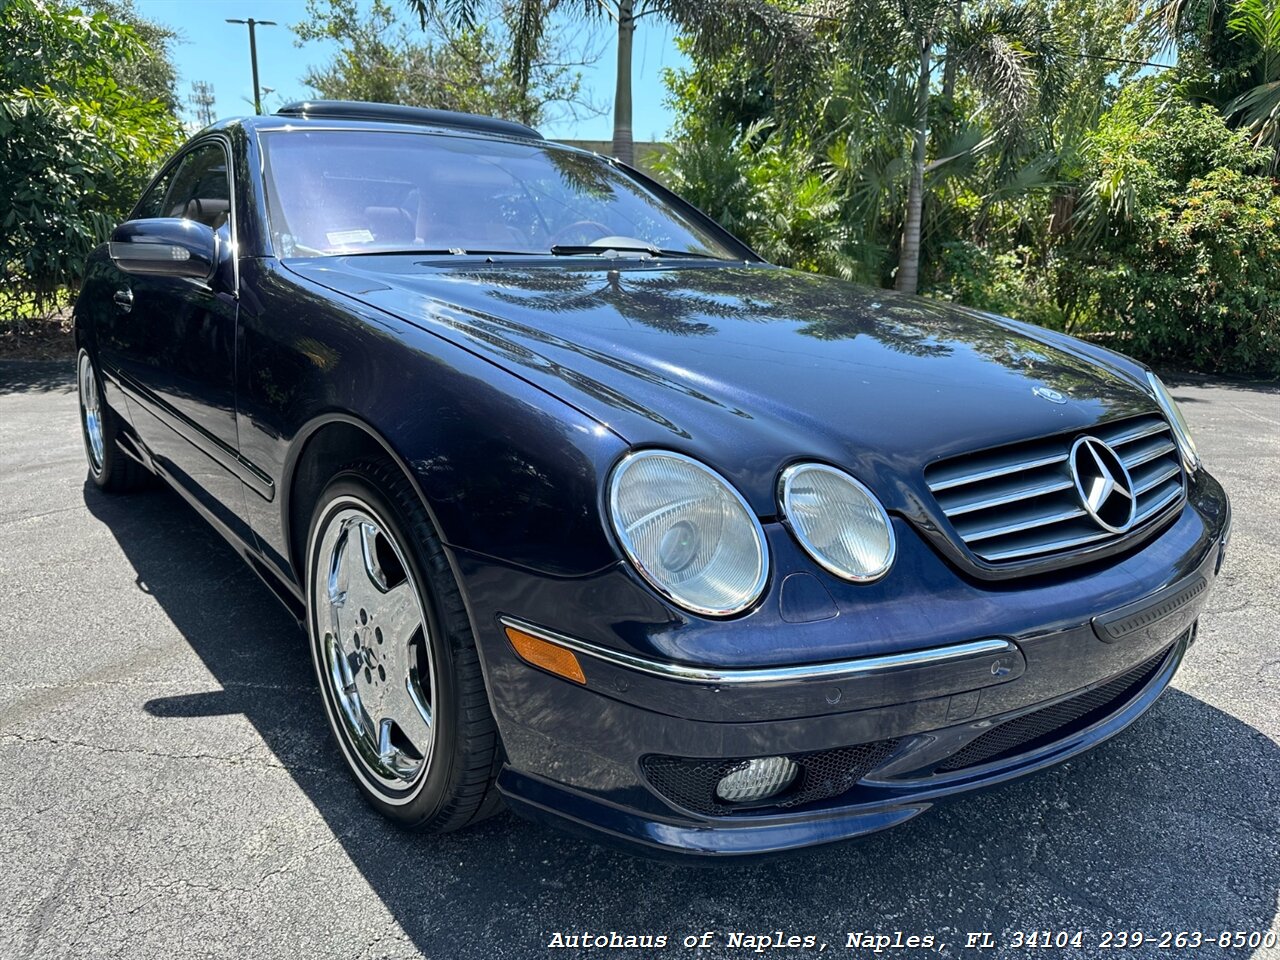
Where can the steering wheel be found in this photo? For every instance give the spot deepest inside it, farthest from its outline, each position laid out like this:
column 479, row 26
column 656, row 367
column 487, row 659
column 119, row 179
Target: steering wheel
column 566, row 233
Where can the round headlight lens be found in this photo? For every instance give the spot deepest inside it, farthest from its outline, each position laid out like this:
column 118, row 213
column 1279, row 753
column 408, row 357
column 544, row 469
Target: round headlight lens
column 838, row 521
column 688, row 532
column 1181, row 432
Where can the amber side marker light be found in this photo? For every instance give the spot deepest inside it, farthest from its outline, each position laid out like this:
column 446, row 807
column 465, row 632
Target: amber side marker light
column 548, row 656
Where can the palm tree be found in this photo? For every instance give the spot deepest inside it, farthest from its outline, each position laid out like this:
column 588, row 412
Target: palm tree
column 1258, row 21
column 717, row 21
column 529, row 19
column 1003, row 52
column 1234, row 49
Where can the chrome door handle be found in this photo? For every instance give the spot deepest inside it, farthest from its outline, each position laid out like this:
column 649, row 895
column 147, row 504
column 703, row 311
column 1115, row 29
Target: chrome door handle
column 124, row 300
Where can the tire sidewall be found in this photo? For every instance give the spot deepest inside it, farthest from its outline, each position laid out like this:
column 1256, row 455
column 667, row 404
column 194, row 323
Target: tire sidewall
column 428, row 794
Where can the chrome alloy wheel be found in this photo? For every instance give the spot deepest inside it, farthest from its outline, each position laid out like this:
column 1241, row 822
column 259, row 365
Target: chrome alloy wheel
column 373, row 649
column 91, row 412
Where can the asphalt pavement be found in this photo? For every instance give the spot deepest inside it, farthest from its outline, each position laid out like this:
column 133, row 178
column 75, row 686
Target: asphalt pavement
column 169, row 789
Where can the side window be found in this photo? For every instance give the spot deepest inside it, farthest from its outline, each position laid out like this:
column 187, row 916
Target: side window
column 152, row 203
column 201, row 189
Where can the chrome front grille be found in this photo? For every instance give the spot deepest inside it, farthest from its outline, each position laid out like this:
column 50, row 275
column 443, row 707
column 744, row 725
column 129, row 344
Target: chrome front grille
column 1020, row 501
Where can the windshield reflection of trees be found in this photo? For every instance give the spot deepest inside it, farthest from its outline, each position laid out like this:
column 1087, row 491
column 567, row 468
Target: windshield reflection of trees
column 685, row 301
column 624, row 204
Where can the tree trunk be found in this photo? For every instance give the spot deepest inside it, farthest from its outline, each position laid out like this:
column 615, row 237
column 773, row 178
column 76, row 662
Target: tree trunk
column 622, row 145
column 909, row 256
column 949, row 65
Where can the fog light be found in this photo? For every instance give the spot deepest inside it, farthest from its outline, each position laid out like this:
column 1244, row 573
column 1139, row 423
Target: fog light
column 757, row 779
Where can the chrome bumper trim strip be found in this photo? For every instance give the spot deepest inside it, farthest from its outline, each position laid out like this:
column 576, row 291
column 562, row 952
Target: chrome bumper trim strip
column 837, row 670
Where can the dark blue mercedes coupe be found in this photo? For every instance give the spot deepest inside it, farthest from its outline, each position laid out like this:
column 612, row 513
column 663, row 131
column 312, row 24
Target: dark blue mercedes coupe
column 588, row 509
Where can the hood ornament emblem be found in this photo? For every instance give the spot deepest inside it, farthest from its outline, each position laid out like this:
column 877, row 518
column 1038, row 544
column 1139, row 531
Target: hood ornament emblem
column 1103, row 484
column 1048, row 393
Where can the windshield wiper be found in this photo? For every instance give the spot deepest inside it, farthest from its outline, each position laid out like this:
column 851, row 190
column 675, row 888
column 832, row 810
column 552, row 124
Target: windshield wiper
column 580, row 249
column 557, row 250
column 443, row 252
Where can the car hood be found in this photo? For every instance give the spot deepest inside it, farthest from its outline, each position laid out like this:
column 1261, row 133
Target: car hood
column 750, row 366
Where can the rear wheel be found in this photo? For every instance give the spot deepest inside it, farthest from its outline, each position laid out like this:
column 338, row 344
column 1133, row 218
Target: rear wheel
column 110, row 468
column 394, row 655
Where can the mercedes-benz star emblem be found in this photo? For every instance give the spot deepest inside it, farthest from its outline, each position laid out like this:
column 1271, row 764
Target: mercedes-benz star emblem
column 1103, row 483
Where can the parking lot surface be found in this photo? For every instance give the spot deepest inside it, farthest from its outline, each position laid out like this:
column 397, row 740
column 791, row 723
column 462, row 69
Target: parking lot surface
column 169, row 788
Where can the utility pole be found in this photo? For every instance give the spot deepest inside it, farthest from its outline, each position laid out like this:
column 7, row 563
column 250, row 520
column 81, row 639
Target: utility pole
column 253, row 56
column 201, row 99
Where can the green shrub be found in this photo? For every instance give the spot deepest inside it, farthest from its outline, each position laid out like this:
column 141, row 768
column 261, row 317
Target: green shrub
column 709, row 171
column 1008, row 282
column 75, row 146
column 1179, row 243
column 771, row 193
column 1199, row 284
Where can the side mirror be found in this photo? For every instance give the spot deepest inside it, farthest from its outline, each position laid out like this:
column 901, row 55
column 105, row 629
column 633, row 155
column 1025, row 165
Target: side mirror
column 165, row 247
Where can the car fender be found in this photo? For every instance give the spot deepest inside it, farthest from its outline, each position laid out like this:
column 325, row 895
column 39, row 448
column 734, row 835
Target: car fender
column 504, row 469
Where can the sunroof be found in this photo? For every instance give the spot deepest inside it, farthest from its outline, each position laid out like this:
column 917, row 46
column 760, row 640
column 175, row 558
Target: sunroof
column 398, row 113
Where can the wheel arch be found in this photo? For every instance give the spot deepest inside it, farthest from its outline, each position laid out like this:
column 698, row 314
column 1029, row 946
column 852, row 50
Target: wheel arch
column 324, row 445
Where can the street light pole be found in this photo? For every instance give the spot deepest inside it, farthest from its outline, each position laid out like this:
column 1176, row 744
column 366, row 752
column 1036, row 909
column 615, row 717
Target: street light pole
column 253, row 56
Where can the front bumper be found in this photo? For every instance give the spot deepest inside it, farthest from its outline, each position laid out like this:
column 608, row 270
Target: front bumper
column 581, row 756
column 872, row 805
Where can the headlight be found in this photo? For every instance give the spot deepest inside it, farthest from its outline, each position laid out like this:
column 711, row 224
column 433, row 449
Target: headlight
column 1181, row 432
column 837, row 520
column 688, row 532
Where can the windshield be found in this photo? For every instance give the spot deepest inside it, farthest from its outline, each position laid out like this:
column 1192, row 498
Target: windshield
column 340, row 192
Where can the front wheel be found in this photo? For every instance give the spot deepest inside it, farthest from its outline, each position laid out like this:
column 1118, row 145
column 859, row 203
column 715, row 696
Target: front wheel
column 394, row 656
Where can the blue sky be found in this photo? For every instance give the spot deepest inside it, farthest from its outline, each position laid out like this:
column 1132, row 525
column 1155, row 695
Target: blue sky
column 218, row 52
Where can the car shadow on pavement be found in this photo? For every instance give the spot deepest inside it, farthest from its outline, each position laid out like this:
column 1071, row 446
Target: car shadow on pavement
column 1166, row 827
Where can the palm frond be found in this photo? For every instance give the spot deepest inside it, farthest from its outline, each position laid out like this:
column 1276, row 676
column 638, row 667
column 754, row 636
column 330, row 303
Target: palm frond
column 1259, row 109
column 1173, row 17
column 788, row 40
column 992, row 49
column 527, row 24
column 461, row 13
column 1259, row 20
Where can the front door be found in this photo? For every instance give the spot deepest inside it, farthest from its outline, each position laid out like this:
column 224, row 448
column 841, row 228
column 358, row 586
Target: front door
column 172, row 345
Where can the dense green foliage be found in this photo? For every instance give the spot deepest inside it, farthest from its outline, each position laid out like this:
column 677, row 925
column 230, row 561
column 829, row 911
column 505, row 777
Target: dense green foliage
column 1230, row 53
column 1186, row 263
column 77, row 140
column 1131, row 205
column 1019, row 156
column 151, row 75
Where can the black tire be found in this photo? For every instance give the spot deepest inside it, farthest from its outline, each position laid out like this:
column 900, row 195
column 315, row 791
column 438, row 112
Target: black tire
column 456, row 787
column 110, row 468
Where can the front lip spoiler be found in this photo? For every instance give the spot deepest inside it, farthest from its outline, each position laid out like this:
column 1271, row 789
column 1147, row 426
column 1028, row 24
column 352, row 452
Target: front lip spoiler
column 745, row 676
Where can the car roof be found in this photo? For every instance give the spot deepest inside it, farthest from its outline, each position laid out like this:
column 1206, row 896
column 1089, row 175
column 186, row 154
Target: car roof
column 399, row 113
column 380, row 116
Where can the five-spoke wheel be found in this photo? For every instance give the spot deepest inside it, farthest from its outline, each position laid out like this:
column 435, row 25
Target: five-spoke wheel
column 394, row 655
column 375, row 645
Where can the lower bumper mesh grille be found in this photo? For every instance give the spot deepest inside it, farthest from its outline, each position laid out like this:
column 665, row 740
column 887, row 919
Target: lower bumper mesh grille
column 1042, row 727
column 691, row 783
